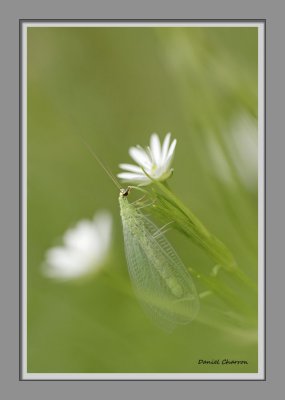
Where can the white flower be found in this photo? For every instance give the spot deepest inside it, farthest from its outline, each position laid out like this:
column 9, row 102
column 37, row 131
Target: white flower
column 238, row 151
column 155, row 161
column 84, row 249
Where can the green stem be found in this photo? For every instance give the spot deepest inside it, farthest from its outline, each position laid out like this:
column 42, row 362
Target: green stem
column 223, row 292
column 242, row 277
column 196, row 230
column 214, row 246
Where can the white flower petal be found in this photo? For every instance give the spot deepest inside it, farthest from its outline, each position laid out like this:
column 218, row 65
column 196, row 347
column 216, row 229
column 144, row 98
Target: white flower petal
column 140, row 157
column 168, row 163
column 154, row 161
column 172, row 148
column 84, row 250
column 81, row 237
column 130, row 168
column 165, row 147
column 103, row 225
column 150, row 155
column 155, row 148
column 61, row 261
column 130, row 176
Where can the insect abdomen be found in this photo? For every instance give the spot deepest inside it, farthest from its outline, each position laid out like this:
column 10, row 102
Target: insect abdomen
column 145, row 240
column 174, row 286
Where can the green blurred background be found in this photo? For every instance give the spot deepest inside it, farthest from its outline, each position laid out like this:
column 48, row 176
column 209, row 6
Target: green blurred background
column 115, row 86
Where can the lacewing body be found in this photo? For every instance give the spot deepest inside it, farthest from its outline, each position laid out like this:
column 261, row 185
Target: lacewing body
column 161, row 281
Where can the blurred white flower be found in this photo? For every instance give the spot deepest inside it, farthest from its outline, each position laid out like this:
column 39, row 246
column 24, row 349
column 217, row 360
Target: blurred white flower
column 83, row 251
column 155, row 160
column 237, row 151
column 243, row 142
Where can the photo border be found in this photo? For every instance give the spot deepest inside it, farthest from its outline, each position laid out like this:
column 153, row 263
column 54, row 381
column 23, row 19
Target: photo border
column 23, row 374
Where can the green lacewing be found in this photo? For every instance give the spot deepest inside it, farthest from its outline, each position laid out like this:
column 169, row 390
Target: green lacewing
column 161, row 281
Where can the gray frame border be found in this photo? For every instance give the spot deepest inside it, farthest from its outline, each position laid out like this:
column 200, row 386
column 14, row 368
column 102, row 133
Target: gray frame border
column 21, row 22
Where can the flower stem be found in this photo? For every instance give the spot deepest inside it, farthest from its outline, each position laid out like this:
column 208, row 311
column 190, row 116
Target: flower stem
column 195, row 230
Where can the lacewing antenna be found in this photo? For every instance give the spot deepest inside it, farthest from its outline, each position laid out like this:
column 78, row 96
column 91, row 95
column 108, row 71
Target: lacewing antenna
column 92, row 152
